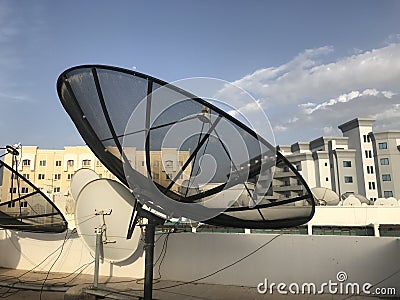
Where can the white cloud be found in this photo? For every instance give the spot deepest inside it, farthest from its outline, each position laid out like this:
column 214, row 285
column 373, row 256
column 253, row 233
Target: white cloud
column 280, row 128
column 309, row 109
column 304, row 78
column 308, row 97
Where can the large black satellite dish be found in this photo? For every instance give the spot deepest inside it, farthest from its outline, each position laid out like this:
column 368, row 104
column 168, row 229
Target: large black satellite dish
column 24, row 207
column 123, row 114
column 181, row 155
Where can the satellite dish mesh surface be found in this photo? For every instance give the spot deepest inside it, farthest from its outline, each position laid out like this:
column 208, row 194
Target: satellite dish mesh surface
column 221, row 173
column 24, row 207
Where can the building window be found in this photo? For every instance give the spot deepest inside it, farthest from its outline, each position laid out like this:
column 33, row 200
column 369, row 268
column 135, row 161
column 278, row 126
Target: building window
column 41, row 176
column 388, row 194
column 347, row 164
column 58, row 163
column 26, row 176
column 371, row 185
column 169, row 163
column 13, row 190
column 386, row 177
column 70, row 163
column 368, row 154
column 98, row 163
column 156, row 163
column 382, row 145
column 181, row 163
column 42, row 163
column 326, row 179
column 57, row 176
column 23, row 204
column 384, row 161
column 11, row 204
column 26, row 162
column 142, row 163
column 156, row 176
column 56, row 190
column 86, row 163
column 348, row 179
column 298, row 167
column 69, row 176
column 370, row 169
column 367, row 138
column 285, row 169
column 24, row 190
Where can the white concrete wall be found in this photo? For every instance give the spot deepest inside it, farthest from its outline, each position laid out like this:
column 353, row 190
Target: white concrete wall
column 26, row 250
column 288, row 258
column 355, row 216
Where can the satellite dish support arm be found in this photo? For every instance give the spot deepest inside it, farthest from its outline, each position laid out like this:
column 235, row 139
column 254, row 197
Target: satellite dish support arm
column 152, row 222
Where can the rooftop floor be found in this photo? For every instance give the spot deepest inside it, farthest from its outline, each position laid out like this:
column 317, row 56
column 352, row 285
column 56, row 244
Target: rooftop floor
column 128, row 288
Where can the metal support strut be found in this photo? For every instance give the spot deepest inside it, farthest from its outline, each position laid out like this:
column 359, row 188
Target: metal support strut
column 152, row 222
column 149, row 258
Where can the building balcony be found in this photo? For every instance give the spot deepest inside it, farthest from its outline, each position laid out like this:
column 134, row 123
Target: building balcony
column 287, row 188
column 280, row 174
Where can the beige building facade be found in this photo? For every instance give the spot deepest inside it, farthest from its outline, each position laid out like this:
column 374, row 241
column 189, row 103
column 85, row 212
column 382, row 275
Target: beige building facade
column 52, row 170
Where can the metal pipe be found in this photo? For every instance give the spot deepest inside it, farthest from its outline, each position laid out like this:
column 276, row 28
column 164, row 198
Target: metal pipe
column 97, row 257
column 149, row 258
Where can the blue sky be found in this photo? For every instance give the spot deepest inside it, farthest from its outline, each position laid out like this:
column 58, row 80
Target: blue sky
column 311, row 64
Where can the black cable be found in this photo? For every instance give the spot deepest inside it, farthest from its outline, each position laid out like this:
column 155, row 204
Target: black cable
column 386, row 278
column 217, row 271
column 80, row 272
column 48, row 272
column 83, row 267
column 223, row 268
column 162, row 255
column 30, row 270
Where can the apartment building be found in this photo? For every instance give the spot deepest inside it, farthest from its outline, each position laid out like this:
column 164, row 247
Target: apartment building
column 52, row 170
column 361, row 161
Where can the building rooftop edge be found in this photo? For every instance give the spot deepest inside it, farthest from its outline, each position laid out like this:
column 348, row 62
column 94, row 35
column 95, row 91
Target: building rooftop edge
column 355, row 123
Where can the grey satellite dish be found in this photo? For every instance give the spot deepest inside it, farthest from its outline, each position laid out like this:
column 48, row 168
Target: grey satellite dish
column 109, row 202
column 362, row 198
column 80, row 179
column 325, row 196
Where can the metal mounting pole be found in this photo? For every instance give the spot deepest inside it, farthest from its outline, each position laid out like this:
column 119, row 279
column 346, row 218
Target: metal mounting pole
column 152, row 222
column 149, row 258
column 99, row 233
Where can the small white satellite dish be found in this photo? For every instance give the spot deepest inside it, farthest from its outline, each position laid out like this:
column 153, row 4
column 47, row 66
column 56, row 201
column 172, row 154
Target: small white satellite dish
column 386, row 202
column 392, row 201
column 104, row 203
column 80, row 179
column 351, row 200
column 325, row 196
